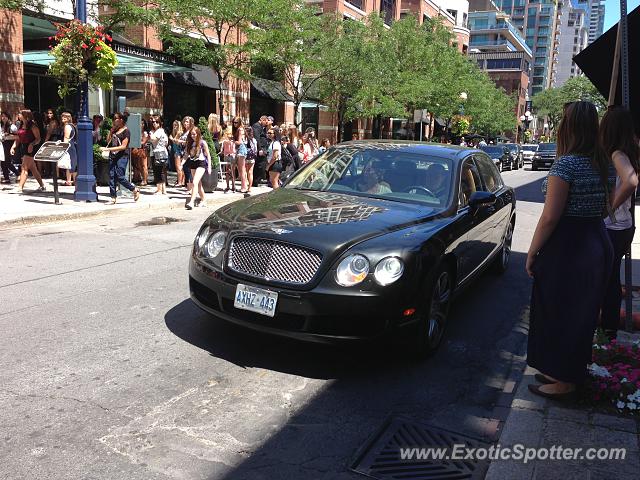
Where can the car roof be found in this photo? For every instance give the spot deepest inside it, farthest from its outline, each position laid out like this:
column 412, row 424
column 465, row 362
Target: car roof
column 451, row 152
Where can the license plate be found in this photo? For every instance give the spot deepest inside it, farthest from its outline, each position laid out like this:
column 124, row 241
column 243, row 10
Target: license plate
column 256, row 300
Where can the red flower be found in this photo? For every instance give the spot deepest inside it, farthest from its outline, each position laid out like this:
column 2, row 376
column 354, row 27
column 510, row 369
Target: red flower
column 98, row 48
column 84, row 45
column 93, row 40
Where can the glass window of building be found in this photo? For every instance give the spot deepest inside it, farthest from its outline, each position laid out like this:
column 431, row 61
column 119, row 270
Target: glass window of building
column 357, row 3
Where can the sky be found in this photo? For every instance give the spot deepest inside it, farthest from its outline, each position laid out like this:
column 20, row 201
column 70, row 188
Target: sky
column 612, row 11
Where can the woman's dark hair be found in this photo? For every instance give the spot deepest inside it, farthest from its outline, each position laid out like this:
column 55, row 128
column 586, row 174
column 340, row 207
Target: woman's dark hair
column 157, row 118
column 578, row 134
column 55, row 116
column 617, row 133
column 123, row 116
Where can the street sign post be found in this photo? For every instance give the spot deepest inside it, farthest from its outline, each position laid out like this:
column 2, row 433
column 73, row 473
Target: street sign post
column 52, row 152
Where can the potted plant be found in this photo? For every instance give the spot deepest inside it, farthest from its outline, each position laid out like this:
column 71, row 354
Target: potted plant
column 81, row 54
column 209, row 181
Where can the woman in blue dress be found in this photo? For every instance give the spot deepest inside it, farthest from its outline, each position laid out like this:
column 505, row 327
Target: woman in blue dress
column 570, row 256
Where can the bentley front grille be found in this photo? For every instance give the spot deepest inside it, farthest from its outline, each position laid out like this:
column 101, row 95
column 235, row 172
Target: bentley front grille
column 272, row 260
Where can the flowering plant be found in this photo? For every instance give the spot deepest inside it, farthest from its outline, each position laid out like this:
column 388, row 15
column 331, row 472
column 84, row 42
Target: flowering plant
column 615, row 374
column 82, row 54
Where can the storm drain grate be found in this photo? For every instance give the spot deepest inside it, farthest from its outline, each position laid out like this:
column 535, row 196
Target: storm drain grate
column 381, row 458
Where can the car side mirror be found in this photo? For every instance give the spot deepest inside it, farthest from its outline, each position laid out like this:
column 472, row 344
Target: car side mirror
column 481, row 199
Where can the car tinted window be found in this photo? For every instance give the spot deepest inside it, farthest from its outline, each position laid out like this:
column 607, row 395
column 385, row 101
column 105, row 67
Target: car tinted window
column 529, row 148
column 547, row 147
column 489, row 173
column 469, row 182
column 379, row 172
column 493, row 150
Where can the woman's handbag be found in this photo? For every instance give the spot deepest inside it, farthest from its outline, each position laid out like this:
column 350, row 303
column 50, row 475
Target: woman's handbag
column 65, row 161
column 160, row 156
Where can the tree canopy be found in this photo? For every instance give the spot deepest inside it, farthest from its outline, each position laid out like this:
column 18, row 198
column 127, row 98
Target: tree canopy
column 550, row 103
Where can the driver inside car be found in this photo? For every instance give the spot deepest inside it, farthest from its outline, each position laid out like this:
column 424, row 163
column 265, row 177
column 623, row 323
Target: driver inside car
column 437, row 180
column 371, row 180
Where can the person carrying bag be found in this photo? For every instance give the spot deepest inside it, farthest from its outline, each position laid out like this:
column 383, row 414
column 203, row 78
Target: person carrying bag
column 158, row 140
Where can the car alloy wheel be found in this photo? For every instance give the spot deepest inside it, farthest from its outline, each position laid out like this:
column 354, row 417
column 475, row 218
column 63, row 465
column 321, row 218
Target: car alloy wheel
column 502, row 262
column 438, row 309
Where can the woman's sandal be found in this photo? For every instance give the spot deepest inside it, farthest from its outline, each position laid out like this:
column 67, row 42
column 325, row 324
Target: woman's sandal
column 561, row 397
column 543, row 379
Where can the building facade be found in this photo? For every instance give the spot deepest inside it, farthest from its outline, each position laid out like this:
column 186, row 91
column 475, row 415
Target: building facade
column 499, row 49
column 596, row 19
column 536, row 21
column 154, row 83
column 572, row 36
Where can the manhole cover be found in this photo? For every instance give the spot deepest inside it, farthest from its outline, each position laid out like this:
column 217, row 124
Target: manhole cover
column 158, row 221
column 408, row 451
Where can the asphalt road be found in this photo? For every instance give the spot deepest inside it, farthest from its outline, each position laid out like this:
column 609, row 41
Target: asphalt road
column 110, row 372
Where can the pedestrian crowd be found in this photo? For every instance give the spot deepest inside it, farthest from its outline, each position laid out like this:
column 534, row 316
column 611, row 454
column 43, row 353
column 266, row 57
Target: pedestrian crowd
column 249, row 154
column 583, row 232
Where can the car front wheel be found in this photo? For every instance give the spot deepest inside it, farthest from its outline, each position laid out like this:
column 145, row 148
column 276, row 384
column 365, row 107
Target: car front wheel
column 433, row 320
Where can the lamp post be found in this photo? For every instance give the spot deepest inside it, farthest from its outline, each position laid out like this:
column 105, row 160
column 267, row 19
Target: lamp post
column 526, row 120
column 85, row 181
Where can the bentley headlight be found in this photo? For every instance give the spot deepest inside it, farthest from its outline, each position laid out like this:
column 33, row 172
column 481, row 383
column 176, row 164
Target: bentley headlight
column 352, row 270
column 215, row 244
column 202, row 237
column 388, row 270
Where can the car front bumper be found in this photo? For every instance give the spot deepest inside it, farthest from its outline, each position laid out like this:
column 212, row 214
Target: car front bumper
column 325, row 315
column 543, row 161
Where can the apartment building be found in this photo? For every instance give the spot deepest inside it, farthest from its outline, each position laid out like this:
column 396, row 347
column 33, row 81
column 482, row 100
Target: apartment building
column 499, row 49
column 596, row 19
column 572, row 36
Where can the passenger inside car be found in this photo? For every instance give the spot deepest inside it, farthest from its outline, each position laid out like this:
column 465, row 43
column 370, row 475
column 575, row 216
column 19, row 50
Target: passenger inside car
column 371, row 180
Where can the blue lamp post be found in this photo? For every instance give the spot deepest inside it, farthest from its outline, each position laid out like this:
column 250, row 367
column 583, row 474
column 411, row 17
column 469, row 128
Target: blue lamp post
column 85, row 181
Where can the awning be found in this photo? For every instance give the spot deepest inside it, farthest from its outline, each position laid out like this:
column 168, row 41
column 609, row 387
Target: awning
column 199, row 76
column 271, row 89
column 131, row 60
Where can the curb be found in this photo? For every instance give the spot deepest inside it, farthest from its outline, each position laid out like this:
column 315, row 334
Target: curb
column 41, row 219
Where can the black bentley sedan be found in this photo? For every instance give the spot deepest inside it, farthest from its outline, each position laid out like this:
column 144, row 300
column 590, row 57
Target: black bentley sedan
column 370, row 238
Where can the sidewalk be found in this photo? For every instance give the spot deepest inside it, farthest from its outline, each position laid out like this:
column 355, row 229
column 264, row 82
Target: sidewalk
column 536, row 422
column 39, row 207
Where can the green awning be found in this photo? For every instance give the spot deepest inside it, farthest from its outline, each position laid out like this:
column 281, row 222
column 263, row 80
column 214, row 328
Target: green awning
column 128, row 63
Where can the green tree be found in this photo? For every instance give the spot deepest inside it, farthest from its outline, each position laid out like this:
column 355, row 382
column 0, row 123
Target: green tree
column 214, row 33
column 550, row 102
column 293, row 43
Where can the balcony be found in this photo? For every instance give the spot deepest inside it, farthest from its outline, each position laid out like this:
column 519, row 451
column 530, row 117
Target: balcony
column 507, row 30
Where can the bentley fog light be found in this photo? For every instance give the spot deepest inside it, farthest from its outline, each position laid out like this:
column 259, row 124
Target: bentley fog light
column 388, row 270
column 352, row 270
column 215, row 244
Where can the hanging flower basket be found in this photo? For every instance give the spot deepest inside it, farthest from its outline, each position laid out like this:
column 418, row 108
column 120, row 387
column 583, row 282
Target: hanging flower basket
column 81, row 54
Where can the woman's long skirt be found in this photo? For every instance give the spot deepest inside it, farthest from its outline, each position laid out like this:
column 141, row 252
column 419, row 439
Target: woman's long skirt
column 571, row 273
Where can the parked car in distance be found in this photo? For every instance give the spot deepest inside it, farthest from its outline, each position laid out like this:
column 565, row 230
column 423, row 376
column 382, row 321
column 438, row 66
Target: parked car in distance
column 544, row 157
column 368, row 240
column 517, row 161
column 528, row 151
column 499, row 154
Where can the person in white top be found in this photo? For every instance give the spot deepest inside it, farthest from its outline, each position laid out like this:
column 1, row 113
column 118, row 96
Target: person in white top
column 160, row 155
column 620, row 142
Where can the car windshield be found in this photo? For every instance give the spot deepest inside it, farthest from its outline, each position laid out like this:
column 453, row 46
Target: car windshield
column 493, row 150
column 512, row 146
column 386, row 173
column 547, row 147
column 529, row 148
